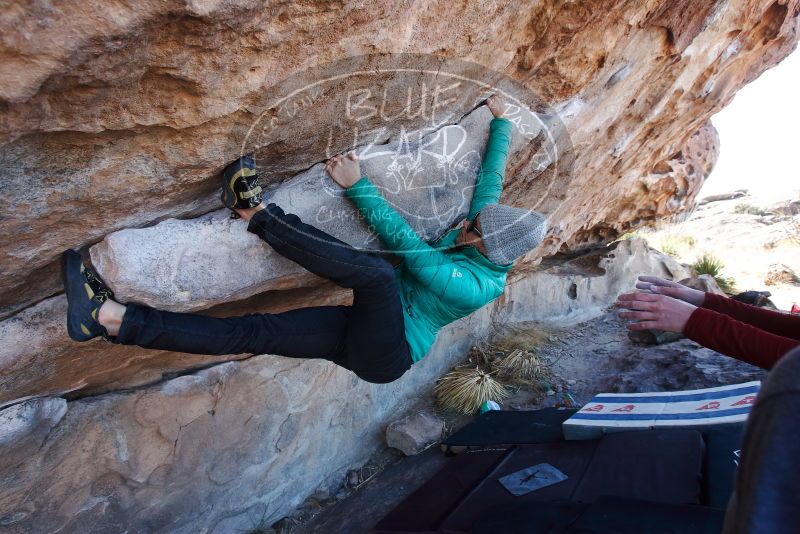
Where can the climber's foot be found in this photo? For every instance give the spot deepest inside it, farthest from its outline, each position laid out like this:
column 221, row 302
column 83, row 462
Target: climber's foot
column 240, row 189
column 86, row 293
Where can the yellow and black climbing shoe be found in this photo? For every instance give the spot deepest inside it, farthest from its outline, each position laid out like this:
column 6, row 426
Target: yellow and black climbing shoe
column 86, row 292
column 240, row 187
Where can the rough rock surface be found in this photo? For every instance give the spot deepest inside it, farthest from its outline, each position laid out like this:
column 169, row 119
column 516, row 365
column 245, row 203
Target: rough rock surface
column 218, row 449
column 414, row 432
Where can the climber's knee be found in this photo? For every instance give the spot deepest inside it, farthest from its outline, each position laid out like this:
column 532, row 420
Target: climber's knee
column 381, row 377
column 379, row 270
column 378, row 379
column 276, row 216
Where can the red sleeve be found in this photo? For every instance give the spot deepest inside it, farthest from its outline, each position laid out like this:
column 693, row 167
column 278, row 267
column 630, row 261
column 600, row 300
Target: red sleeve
column 775, row 322
column 737, row 339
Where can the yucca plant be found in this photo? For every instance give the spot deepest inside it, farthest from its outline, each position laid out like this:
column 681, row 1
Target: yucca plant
column 522, row 364
column 711, row 265
column 465, row 389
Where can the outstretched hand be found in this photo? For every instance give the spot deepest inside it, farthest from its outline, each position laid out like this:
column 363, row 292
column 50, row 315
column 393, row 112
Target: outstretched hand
column 344, row 170
column 660, row 286
column 656, row 312
column 496, row 105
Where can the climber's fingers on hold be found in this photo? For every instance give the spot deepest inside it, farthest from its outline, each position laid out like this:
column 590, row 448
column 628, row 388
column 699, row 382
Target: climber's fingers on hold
column 352, row 156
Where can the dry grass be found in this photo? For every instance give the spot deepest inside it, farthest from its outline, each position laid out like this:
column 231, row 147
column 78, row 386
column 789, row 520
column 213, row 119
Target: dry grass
column 522, row 364
column 674, row 244
column 465, row 389
column 510, row 360
column 529, row 339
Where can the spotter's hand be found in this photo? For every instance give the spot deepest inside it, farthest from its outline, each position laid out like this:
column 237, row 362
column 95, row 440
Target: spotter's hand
column 657, row 312
column 661, row 286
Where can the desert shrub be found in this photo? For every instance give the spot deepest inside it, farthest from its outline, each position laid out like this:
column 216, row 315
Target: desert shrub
column 671, row 244
column 713, row 266
column 669, row 249
column 749, row 209
column 781, row 274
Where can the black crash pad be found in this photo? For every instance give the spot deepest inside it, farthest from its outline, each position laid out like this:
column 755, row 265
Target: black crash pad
column 606, row 515
column 544, row 426
column 497, row 427
column 663, row 465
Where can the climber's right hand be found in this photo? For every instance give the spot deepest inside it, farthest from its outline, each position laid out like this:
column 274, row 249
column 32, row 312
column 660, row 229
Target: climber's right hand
column 661, row 286
column 496, row 105
column 344, row 170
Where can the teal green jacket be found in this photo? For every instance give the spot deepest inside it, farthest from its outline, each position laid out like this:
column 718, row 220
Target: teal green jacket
column 440, row 284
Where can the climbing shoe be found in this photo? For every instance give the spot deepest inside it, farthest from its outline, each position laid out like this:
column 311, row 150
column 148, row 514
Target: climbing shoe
column 240, row 187
column 86, row 292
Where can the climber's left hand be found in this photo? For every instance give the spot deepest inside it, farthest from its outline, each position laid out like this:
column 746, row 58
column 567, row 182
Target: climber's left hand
column 344, row 170
column 656, row 312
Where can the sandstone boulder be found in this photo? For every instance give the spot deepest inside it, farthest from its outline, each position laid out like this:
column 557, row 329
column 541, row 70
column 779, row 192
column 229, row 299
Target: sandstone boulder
column 704, row 282
column 215, row 450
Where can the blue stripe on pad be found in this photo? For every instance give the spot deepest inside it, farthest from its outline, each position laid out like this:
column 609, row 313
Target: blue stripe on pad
column 659, row 417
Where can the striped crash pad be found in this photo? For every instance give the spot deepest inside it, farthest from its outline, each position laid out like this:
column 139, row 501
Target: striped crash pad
column 609, row 412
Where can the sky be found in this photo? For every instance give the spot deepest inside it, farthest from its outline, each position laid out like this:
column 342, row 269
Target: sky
column 760, row 137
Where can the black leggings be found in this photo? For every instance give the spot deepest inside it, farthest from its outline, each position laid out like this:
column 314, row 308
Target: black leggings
column 368, row 337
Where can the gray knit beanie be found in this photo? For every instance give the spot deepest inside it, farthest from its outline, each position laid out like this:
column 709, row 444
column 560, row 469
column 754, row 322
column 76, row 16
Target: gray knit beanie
column 509, row 232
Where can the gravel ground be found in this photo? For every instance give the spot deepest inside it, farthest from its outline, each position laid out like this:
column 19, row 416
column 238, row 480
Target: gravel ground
column 597, row 357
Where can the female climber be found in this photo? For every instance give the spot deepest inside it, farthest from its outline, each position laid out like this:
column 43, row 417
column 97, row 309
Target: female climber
column 396, row 312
